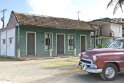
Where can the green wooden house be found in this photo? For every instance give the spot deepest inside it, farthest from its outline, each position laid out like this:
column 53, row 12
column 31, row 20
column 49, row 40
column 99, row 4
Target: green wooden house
column 44, row 36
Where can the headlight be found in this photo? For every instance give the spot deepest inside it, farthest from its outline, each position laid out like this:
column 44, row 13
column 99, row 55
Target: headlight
column 93, row 66
column 94, row 58
column 81, row 54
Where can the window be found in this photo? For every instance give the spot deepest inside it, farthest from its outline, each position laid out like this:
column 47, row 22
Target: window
column 48, row 41
column 71, row 42
column 4, row 41
column 10, row 40
column 122, row 19
column 117, row 44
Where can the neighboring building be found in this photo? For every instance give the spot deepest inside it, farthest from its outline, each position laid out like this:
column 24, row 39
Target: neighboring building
column 40, row 36
column 120, row 21
column 122, row 30
column 105, row 31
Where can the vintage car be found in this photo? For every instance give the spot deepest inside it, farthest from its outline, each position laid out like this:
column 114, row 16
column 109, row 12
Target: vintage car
column 108, row 62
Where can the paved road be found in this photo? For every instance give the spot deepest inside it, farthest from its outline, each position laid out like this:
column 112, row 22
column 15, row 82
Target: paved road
column 78, row 77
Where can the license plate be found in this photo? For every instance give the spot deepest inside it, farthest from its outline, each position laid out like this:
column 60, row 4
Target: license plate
column 79, row 68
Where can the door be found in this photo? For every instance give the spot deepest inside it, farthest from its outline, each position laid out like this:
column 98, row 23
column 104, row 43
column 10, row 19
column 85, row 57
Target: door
column 30, row 43
column 83, row 43
column 60, row 44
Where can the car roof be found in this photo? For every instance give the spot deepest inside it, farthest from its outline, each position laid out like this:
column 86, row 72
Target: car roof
column 119, row 38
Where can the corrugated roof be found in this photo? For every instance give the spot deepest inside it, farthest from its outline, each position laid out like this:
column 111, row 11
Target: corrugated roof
column 51, row 22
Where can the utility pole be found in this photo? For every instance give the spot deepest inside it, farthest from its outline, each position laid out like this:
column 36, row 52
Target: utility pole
column 78, row 15
column 3, row 18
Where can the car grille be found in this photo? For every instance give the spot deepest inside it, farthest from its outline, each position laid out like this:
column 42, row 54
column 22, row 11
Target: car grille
column 86, row 61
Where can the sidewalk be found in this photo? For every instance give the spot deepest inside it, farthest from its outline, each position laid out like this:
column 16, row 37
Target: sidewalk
column 47, row 57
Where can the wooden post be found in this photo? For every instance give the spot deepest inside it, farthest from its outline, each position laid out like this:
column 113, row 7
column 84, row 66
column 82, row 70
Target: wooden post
column 18, row 42
column 50, row 52
column 75, row 51
column 94, row 39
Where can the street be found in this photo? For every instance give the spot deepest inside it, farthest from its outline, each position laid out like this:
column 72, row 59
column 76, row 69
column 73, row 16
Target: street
column 78, row 77
column 59, row 70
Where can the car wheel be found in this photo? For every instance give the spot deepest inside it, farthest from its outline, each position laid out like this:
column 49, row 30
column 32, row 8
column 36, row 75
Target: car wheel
column 109, row 72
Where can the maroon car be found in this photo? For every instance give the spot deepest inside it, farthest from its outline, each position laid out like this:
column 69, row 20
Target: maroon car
column 108, row 62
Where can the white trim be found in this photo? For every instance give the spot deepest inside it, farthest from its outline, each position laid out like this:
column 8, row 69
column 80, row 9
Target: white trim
column 91, row 45
column 26, row 40
column 68, row 42
column 15, row 42
column 0, row 43
column 45, row 40
column 56, row 41
column 85, row 42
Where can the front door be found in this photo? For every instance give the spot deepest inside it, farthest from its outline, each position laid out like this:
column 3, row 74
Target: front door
column 30, row 43
column 60, row 44
column 83, row 43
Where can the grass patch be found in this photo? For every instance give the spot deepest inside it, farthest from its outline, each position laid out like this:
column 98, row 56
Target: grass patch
column 61, row 62
column 6, row 58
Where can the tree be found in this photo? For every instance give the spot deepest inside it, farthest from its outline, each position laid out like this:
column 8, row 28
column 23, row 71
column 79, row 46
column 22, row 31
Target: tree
column 117, row 4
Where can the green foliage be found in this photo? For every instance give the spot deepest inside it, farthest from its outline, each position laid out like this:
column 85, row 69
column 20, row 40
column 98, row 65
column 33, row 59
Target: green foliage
column 117, row 4
column 101, row 46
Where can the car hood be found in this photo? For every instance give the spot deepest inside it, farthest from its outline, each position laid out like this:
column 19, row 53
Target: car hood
column 88, row 54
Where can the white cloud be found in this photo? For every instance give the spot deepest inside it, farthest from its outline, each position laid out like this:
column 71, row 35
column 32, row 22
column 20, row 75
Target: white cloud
column 48, row 6
column 68, row 8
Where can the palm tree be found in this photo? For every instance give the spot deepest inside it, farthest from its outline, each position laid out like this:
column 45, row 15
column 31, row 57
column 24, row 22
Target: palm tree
column 117, row 3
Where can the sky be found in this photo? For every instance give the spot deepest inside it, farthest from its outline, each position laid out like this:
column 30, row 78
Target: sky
column 89, row 9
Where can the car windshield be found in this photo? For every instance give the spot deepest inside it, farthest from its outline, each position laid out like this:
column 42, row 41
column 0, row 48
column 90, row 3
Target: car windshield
column 117, row 44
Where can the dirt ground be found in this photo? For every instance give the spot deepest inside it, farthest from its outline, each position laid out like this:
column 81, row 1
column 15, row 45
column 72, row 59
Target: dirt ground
column 58, row 70
column 31, row 70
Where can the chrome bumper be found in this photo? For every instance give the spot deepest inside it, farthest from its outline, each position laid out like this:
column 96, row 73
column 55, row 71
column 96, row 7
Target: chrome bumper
column 91, row 68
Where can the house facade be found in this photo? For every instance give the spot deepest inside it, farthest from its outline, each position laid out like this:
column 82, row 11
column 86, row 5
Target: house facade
column 120, row 21
column 106, row 32
column 30, row 35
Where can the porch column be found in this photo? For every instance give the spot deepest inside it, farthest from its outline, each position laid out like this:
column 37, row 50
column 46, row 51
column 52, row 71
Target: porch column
column 75, row 36
column 18, row 41
column 51, row 52
column 94, row 39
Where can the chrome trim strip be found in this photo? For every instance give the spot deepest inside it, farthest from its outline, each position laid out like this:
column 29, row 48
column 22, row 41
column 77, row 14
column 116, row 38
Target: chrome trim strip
column 88, row 60
column 94, row 70
column 85, row 63
column 122, row 61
